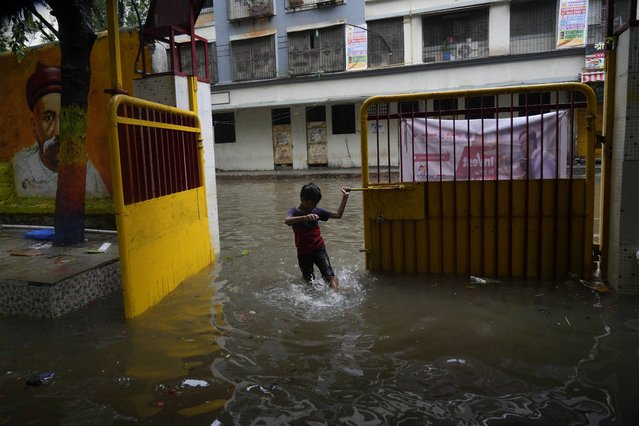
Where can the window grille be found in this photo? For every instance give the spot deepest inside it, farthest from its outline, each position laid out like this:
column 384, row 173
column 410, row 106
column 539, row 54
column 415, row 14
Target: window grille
column 280, row 116
column 378, row 110
column 343, row 118
column 249, row 9
column 534, row 103
column 385, row 42
column 532, row 26
column 253, row 59
column 596, row 21
column 317, row 51
column 185, row 59
column 621, row 14
column 408, row 107
column 445, row 106
column 455, row 36
column 213, row 63
column 292, row 5
column 315, row 113
column 480, row 107
column 224, row 127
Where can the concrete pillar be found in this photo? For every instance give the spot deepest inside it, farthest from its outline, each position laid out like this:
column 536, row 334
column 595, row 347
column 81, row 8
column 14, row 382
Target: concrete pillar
column 623, row 269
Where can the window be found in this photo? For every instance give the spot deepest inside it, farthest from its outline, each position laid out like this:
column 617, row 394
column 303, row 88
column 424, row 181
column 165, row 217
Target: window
column 213, row 63
column 532, row 25
column 253, row 59
column 208, row 4
column 480, row 107
column 408, row 107
column 621, row 9
column 385, row 42
column 239, row 10
column 378, row 110
column 596, row 21
column 185, row 59
column 315, row 113
column 224, row 127
column 316, row 51
column 445, row 106
column 343, row 117
column 534, row 103
column 280, row 116
column 455, row 36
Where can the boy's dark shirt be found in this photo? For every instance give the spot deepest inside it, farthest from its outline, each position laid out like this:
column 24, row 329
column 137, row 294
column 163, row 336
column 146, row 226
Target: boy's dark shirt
column 308, row 238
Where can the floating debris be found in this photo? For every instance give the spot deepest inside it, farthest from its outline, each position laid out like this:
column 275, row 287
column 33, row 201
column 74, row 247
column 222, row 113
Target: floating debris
column 599, row 286
column 102, row 249
column 195, row 383
column 478, row 280
column 41, row 379
column 266, row 389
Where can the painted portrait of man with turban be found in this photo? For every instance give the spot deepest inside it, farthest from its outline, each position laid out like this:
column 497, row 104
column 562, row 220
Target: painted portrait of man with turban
column 36, row 167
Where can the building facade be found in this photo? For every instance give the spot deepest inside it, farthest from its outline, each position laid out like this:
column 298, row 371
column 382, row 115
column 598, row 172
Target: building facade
column 289, row 76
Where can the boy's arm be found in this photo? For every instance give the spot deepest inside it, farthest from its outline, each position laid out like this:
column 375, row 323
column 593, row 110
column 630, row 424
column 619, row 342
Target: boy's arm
column 290, row 220
column 340, row 210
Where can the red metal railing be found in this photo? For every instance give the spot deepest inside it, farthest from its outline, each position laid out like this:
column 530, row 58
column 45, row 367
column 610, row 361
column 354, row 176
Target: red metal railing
column 158, row 153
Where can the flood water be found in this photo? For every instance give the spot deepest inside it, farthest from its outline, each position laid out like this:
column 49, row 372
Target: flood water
column 248, row 343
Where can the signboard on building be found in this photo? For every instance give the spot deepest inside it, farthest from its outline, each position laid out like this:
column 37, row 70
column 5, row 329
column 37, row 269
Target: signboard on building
column 572, row 23
column 356, row 47
column 595, row 56
column 595, row 60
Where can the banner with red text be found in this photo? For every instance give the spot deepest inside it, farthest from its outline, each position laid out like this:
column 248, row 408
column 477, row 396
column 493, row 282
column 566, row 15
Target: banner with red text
column 532, row 147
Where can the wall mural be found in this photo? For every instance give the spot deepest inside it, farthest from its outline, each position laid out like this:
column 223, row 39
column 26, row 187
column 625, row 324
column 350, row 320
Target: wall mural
column 30, row 120
column 36, row 167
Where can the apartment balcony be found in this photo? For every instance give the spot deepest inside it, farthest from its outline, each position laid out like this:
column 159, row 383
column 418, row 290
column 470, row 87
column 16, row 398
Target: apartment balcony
column 294, row 5
column 239, row 10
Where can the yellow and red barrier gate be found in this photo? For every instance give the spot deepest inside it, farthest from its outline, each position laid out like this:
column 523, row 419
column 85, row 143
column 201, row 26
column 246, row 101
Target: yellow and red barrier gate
column 484, row 182
column 159, row 196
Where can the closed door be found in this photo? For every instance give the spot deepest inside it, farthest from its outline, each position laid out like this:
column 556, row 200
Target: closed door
column 316, row 142
column 282, row 146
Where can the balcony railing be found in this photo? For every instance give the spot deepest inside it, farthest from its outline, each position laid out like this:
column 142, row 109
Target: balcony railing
column 249, row 9
column 292, row 5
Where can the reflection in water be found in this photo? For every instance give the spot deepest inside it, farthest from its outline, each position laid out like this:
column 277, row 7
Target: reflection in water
column 249, row 343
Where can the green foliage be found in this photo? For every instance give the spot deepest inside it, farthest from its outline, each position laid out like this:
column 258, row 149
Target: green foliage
column 127, row 14
column 20, row 28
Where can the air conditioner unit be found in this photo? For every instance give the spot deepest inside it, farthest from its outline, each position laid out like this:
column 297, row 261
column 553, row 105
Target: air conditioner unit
column 467, row 50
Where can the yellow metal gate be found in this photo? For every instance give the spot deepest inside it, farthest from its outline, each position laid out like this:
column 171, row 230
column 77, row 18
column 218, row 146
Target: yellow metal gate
column 483, row 182
column 159, row 196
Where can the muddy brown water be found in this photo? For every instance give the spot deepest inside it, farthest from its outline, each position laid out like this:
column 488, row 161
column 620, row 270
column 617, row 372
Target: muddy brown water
column 246, row 342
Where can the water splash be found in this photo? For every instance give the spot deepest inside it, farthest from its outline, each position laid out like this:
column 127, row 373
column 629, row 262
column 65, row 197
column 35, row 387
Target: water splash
column 316, row 301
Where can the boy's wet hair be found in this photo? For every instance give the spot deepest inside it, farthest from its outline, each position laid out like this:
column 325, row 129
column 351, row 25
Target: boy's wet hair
column 310, row 192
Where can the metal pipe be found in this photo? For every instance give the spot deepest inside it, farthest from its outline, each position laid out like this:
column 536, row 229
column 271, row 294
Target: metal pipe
column 381, row 188
column 97, row 231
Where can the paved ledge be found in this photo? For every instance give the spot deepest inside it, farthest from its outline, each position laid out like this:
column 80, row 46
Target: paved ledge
column 37, row 279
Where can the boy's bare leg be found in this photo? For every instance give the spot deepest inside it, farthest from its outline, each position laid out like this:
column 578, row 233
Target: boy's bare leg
column 333, row 283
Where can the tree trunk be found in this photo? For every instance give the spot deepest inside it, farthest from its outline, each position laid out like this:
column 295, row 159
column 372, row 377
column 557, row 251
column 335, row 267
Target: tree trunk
column 77, row 37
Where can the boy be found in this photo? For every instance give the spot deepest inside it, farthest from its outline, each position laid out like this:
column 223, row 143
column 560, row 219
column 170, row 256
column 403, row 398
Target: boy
column 308, row 238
